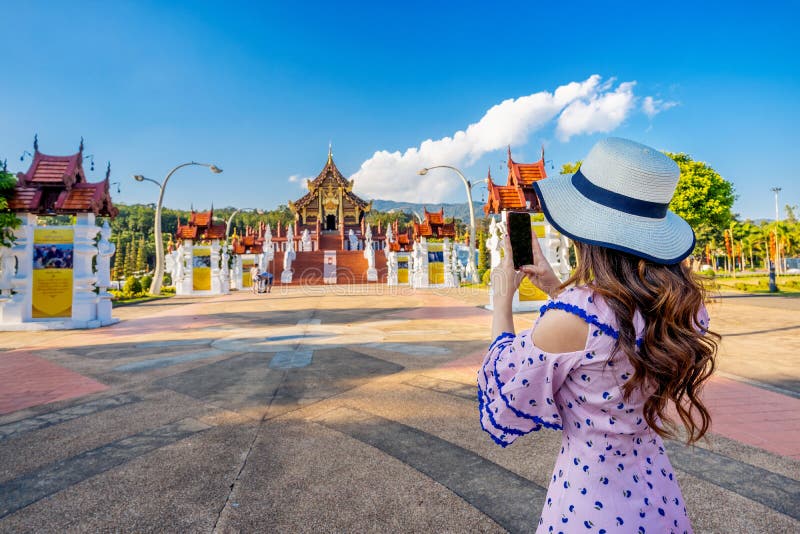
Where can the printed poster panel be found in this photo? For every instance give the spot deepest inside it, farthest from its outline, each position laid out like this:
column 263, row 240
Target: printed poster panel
column 402, row 269
column 52, row 273
column 435, row 263
column 329, row 267
column 201, row 268
column 248, row 262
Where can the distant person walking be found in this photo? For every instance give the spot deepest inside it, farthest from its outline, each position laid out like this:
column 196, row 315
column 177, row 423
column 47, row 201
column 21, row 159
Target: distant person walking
column 255, row 279
column 621, row 346
column 267, row 278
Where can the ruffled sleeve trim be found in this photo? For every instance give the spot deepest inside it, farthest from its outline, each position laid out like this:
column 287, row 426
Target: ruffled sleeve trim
column 516, row 387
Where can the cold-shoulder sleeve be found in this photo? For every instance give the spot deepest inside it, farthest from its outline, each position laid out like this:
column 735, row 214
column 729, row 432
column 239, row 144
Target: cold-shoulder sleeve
column 517, row 382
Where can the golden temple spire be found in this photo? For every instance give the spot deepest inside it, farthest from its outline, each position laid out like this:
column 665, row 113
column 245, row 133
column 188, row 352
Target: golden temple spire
column 330, row 151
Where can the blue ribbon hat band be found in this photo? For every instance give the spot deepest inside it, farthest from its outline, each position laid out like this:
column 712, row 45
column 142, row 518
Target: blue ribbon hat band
column 610, row 199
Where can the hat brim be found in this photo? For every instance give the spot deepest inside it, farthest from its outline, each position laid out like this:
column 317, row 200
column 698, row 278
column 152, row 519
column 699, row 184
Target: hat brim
column 668, row 240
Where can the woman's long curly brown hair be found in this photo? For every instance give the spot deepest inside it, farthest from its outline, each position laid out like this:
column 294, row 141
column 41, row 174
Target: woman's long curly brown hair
column 677, row 354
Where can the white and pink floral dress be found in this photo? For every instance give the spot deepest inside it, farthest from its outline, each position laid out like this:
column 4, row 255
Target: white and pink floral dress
column 612, row 474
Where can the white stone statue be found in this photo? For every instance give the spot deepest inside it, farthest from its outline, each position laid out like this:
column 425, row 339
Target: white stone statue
column 305, row 241
column 455, row 266
column 170, row 265
column 351, row 236
column 224, row 271
column 389, row 234
column 236, row 272
column 563, row 257
column 7, row 268
column 391, row 269
column 493, row 243
column 369, row 254
column 447, row 253
column 105, row 249
column 268, row 253
column 420, row 255
column 180, row 266
column 288, row 256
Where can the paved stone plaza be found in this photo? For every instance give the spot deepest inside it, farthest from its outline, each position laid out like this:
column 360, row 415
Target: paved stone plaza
column 344, row 409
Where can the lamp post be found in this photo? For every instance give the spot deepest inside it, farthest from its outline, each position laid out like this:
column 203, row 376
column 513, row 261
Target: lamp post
column 158, row 275
column 468, row 185
column 777, row 190
column 235, row 212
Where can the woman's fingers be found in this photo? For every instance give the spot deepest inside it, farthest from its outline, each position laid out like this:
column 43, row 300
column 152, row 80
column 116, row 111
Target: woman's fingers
column 507, row 255
column 538, row 255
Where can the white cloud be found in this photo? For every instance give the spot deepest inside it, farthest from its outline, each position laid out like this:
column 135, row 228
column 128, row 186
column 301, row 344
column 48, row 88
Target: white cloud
column 580, row 107
column 652, row 107
column 296, row 178
column 601, row 112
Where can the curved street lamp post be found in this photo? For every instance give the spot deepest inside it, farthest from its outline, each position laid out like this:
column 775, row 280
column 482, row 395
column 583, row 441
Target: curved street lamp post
column 158, row 275
column 473, row 271
column 235, row 212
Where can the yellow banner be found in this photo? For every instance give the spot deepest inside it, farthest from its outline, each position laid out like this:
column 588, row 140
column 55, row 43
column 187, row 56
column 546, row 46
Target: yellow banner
column 201, row 268
column 201, row 279
column 248, row 261
column 538, row 229
column 436, row 272
column 528, row 291
column 402, row 269
column 52, row 273
column 53, row 236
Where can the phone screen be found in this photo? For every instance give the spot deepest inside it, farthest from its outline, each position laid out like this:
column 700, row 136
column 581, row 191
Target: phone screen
column 519, row 232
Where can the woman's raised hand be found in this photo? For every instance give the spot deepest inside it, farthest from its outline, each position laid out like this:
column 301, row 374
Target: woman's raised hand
column 505, row 279
column 541, row 274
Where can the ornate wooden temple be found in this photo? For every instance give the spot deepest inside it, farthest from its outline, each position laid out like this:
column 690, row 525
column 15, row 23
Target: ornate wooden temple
column 328, row 239
column 330, row 204
column 200, row 227
column 252, row 242
column 57, row 185
column 199, row 266
column 518, row 193
column 434, row 226
column 401, row 241
column 57, row 276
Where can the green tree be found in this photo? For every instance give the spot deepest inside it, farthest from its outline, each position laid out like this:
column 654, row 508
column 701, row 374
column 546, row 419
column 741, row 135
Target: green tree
column 483, row 255
column 570, row 167
column 132, row 286
column 119, row 260
column 141, row 256
column 703, row 198
column 130, row 259
column 8, row 221
column 790, row 215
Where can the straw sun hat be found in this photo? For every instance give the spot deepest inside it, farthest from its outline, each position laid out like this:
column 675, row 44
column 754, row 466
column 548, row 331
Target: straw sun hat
column 618, row 199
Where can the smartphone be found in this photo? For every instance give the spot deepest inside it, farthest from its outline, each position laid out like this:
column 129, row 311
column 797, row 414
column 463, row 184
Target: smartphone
column 519, row 233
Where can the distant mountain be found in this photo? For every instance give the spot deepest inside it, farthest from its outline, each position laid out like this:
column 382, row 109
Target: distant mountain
column 459, row 211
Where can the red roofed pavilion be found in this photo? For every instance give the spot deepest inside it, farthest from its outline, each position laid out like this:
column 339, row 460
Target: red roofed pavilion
column 57, row 185
column 201, row 227
column 434, row 226
column 251, row 242
column 518, row 193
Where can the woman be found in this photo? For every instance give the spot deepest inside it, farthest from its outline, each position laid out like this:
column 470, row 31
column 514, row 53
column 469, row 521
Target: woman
column 612, row 358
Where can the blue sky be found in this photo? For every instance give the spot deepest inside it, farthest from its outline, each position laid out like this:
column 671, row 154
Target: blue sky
column 260, row 90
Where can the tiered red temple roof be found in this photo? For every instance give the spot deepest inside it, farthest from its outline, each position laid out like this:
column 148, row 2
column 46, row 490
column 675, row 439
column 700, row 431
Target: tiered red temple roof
column 434, row 226
column 330, row 193
column 251, row 242
column 56, row 185
column 201, row 226
column 402, row 241
column 518, row 193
